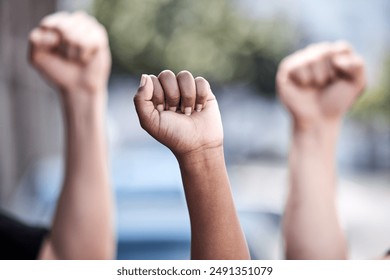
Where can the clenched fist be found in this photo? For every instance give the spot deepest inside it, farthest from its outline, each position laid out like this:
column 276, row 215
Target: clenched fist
column 319, row 83
column 71, row 51
column 179, row 111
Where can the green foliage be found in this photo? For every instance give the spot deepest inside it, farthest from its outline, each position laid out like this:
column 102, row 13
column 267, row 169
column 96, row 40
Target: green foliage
column 376, row 101
column 208, row 38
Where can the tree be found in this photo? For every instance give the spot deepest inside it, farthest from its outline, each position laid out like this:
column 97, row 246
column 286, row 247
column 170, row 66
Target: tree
column 376, row 102
column 208, row 38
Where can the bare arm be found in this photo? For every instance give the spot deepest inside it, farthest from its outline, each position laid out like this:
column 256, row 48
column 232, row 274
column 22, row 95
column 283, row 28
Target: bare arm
column 194, row 134
column 311, row 226
column 77, row 62
column 216, row 232
column 317, row 85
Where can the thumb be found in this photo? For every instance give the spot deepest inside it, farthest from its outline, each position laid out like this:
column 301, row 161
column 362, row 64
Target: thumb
column 42, row 41
column 42, row 51
column 143, row 98
column 46, row 62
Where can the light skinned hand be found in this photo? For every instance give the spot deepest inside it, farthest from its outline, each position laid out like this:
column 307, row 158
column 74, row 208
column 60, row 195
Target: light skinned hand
column 71, row 51
column 179, row 111
column 319, row 83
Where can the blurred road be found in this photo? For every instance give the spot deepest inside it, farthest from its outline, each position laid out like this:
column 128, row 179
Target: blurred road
column 363, row 200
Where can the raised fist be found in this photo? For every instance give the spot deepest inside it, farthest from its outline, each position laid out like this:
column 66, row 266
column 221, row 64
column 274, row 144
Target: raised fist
column 319, row 83
column 179, row 111
column 71, row 51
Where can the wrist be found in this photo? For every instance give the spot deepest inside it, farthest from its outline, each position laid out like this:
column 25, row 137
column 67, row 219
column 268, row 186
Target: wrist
column 204, row 170
column 83, row 99
column 314, row 125
column 83, row 109
column 318, row 135
column 201, row 157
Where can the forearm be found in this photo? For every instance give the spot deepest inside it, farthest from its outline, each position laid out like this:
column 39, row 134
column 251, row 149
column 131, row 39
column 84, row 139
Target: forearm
column 215, row 228
column 311, row 226
column 83, row 222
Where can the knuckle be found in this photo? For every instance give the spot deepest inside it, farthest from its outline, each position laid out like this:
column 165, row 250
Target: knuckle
column 283, row 63
column 202, row 94
column 158, row 95
column 165, row 74
column 187, row 98
column 199, row 79
column 53, row 19
column 80, row 14
column 311, row 64
column 45, row 21
column 136, row 99
column 82, row 45
column 153, row 77
column 289, row 63
column 323, row 54
column 173, row 99
column 184, row 74
column 283, row 68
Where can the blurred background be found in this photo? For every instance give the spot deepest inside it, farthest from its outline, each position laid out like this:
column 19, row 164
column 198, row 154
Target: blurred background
column 237, row 46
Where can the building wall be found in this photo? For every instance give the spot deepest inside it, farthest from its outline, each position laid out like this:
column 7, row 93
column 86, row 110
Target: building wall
column 30, row 122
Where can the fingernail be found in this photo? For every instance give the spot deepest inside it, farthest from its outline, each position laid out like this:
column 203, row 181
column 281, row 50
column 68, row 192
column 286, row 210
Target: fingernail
column 198, row 107
column 173, row 109
column 188, row 111
column 143, row 80
column 160, row 107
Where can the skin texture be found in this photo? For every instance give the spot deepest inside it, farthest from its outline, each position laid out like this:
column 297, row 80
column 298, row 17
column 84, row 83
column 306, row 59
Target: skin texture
column 317, row 85
column 77, row 62
column 182, row 113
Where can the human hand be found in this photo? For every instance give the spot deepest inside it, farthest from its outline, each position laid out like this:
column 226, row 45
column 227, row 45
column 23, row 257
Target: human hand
column 180, row 112
column 319, row 83
column 71, row 51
